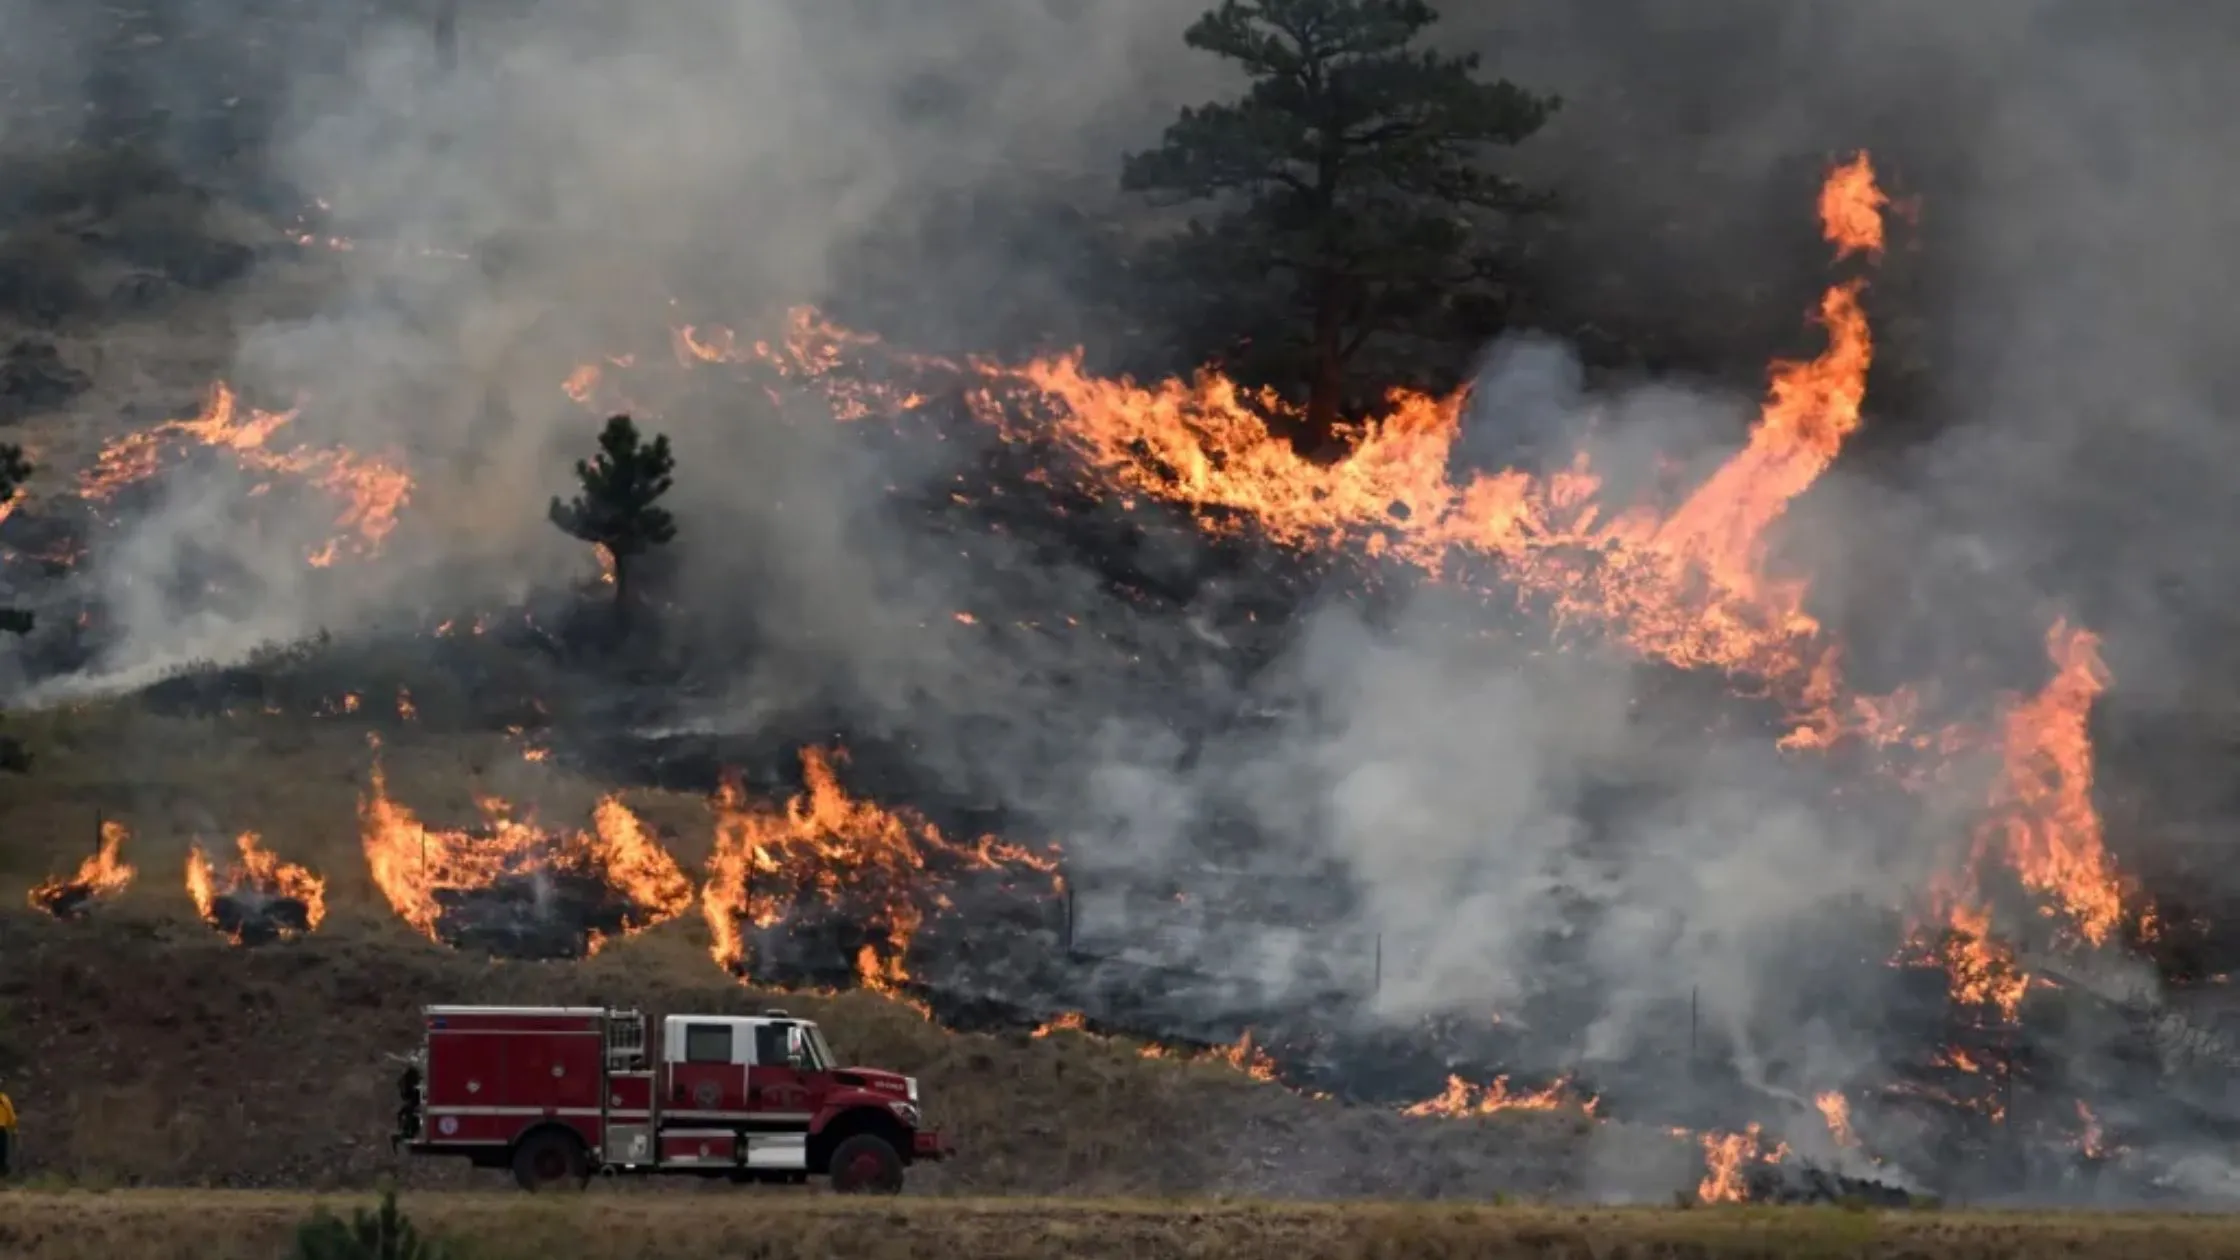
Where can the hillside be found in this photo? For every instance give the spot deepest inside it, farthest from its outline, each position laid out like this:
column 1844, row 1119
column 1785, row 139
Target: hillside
column 144, row 1048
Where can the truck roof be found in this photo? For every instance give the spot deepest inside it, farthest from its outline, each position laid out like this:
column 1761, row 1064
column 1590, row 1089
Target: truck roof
column 515, row 1010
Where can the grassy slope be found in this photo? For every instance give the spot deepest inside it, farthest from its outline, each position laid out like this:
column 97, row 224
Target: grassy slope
column 145, row 1049
column 205, row 1226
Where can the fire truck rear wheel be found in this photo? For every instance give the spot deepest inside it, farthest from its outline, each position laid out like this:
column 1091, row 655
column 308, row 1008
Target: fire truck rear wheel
column 866, row 1164
column 550, row 1160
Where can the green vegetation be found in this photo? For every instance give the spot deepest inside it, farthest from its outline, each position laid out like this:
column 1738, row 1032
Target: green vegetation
column 615, row 508
column 382, row 1234
column 1353, row 215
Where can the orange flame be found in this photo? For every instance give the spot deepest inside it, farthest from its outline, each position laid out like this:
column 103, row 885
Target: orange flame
column 1071, row 1021
column 1836, row 1110
column 1245, row 1056
column 261, row 872
column 373, row 491
column 1690, row 584
column 412, row 863
column 1461, row 1098
column 1689, row 588
column 98, row 878
column 2043, row 805
column 1725, row 1155
column 824, row 847
column 1982, row 971
column 1851, row 208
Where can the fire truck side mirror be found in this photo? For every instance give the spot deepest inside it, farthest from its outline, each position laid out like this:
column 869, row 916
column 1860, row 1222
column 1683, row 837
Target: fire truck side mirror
column 796, row 1046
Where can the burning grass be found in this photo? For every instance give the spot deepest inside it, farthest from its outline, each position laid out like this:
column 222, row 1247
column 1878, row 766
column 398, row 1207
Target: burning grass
column 257, row 898
column 293, row 777
column 516, row 887
column 240, row 1225
column 825, row 857
column 98, row 878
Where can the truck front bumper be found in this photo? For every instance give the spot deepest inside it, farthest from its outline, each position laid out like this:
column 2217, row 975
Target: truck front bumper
column 929, row 1145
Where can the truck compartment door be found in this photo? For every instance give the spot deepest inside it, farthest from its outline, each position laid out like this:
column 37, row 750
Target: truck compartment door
column 707, row 1069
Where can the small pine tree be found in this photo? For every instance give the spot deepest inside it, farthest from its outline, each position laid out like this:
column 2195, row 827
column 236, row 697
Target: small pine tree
column 385, row 1234
column 615, row 508
column 1352, row 203
column 14, row 471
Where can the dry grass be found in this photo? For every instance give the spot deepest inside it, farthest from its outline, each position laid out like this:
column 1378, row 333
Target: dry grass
column 295, row 778
column 145, row 1050
column 223, row 1226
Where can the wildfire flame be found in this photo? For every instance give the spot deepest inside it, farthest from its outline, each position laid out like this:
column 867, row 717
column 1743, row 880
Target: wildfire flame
column 1461, row 1098
column 1851, row 206
column 825, row 848
column 1836, row 1110
column 1071, row 1021
column 1688, row 580
column 259, row 875
column 98, row 878
column 1690, row 584
column 1725, row 1156
column 372, row 491
column 413, row 863
column 2042, row 805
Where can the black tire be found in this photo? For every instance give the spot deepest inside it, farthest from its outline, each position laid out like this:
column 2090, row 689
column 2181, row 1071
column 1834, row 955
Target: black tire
column 865, row 1164
column 550, row 1161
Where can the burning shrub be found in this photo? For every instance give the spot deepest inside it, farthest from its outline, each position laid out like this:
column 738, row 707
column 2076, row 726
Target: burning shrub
column 98, row 878
column 516, row 890
column 260, row 899
column 835, row 886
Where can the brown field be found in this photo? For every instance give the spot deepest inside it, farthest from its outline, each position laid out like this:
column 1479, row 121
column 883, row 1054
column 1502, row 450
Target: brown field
column 145, row 1050
column 162, row 1225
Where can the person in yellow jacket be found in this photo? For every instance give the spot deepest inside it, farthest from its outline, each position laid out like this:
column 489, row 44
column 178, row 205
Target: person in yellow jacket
column 7, row 1130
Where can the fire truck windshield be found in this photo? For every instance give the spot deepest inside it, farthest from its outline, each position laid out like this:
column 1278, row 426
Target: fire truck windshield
column 820, row 1054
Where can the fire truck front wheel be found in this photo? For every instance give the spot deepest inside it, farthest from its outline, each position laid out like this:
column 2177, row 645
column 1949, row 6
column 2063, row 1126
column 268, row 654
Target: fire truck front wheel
column 550, row 1160
column 866, row 1164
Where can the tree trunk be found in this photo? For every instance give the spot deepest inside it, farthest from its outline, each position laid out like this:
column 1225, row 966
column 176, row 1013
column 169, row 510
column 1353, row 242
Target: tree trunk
column 623, row 596
column 1326, row 383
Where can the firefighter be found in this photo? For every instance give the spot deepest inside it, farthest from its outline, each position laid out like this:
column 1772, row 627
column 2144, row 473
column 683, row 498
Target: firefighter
column 7, row 1130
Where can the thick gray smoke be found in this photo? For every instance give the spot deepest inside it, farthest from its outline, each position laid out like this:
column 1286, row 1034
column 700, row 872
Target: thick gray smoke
column 592, row 173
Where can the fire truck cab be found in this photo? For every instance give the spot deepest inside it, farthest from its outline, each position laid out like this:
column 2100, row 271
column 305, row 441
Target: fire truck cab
column 559, row 1093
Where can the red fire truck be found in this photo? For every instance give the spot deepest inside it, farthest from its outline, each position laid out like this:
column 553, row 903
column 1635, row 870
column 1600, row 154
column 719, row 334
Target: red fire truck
column 557, row 1093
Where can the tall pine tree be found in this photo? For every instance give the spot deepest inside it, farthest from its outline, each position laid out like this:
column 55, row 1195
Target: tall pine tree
column 1351, row 206
column 615, row 507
